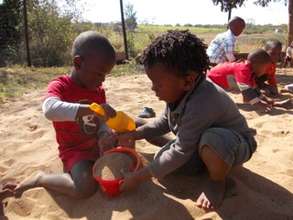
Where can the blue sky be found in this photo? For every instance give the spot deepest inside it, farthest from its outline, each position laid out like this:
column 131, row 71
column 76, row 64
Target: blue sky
column 182, row 12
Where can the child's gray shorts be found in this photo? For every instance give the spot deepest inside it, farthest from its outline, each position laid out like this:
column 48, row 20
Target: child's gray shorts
column 232, row 147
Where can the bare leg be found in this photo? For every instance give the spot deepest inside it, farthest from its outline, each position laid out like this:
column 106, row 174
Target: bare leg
column 80, row 184
column 287, row 104
column 213, row 195
column 157, row 141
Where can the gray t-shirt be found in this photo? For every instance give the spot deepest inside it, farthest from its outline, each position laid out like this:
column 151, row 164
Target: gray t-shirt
column 205, row 106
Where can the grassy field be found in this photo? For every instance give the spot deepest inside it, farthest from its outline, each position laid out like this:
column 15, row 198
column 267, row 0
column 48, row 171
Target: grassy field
column 17, row 80
column 251, row 38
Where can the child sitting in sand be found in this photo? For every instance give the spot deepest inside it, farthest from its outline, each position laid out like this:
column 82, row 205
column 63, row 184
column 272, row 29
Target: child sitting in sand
column 82, row 137
column 221, row 48
column 67, row 105
column 274, row 49
column 210, row 131
column 241, row 76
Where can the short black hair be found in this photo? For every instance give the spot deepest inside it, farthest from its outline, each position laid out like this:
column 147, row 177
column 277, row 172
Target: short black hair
column 259, row 56
column 271, row 44
column 179, row 50
column 236, row 19
column 90, row 41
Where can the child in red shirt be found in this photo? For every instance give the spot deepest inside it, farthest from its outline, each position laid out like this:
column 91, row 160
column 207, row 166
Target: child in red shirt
column 268, row 82
column 243, row 76
column 77, row 128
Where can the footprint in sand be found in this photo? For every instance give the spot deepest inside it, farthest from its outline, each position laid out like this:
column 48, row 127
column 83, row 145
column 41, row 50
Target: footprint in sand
column 259, row 125
column 275, row 150
column 289, row 172
column 20, row 207
column 33, row 127
column 280, row 133
column 8, row 162
column 37, row 134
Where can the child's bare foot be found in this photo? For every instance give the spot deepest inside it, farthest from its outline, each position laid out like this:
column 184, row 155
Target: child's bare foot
column 212, row 197
column 18, row 189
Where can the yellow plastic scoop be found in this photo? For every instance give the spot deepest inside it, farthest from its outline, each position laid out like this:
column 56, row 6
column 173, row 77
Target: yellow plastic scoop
column 120, row 123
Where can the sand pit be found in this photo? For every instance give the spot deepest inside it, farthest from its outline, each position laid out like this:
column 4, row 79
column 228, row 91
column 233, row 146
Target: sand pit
column 261, row 189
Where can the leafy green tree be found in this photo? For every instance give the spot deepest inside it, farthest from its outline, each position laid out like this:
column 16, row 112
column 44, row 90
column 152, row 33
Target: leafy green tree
column 51, row 32
column 10, row 30
column 130, row 17
column 228, row 5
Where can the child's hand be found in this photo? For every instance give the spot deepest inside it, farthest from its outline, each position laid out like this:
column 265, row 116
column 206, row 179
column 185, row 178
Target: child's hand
column 107, row 142
column 130, row 182
column 263, row 106
column 126, row 139
column 110, row 112
column 271, row 91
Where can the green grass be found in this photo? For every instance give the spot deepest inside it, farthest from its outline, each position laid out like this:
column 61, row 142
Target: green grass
column 252, row 38
column 17, row 80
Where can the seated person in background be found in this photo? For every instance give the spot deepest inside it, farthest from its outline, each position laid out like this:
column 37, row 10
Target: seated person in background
column 289, row 56
column 242, row 76
column 221, row 48
column 268, row 82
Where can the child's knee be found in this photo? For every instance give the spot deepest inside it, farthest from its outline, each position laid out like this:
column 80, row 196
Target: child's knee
column 86, row 186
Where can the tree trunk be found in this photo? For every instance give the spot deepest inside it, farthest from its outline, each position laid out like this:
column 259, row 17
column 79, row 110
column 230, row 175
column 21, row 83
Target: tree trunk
column 28, row 56
column 290, row 21
column 229, row 13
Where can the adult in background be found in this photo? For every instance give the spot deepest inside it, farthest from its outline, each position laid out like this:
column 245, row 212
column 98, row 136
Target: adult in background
column 221, row 48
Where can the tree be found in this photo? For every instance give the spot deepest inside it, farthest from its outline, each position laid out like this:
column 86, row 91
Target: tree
column 228, row 5
column 51, row 33
column 130, row 17
column 131, row 24
column 10, row 30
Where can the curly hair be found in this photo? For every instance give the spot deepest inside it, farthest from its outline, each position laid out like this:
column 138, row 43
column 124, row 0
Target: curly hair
column 179, row 50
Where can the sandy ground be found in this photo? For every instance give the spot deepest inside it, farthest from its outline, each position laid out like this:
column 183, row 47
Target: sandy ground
column 262, row 189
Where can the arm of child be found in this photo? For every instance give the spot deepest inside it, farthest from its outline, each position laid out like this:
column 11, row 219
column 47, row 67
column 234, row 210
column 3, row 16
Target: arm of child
column 180, row 151
column 252, row 97
column 156, row 128
column 55, row 109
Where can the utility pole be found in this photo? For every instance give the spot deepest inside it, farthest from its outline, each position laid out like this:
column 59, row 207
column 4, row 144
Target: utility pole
column 28, row 56
column 124, row 30
column 290, row 21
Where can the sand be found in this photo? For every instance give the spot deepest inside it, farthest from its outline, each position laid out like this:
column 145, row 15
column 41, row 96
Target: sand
column 111, row 166
column 261, row 189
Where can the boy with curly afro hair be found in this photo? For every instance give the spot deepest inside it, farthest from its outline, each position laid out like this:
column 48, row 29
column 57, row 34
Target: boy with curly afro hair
column 211, row 134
